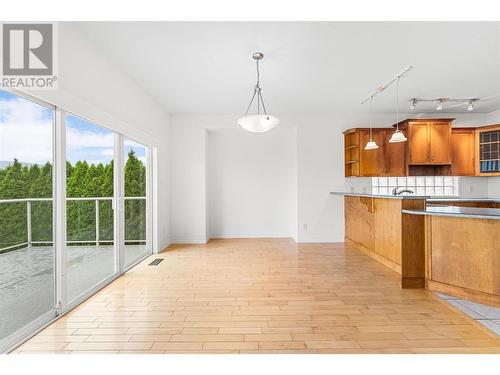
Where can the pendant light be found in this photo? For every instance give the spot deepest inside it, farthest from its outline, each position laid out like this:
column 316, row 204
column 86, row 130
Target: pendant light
column 371, row 145
column 258, row 123
column 398, row 135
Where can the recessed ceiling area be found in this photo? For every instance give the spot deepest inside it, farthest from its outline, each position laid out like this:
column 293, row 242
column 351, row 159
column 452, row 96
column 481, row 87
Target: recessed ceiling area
column 309, row 67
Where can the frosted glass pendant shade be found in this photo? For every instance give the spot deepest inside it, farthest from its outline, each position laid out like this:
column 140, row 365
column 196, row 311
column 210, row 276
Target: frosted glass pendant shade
column 371, row 145
column 258, row 123
column 397, row 136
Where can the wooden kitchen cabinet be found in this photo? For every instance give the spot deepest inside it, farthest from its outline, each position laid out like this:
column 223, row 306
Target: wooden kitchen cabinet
column 388, row 160
column 393, row 155
column 429, row 142
column 439, row 142
column 418, row 147
column 463, row 152
column 370, row 161
column 487, row 151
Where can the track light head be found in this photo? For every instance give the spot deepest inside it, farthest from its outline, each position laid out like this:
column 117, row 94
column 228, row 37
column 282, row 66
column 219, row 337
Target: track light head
column 439, row 106
column 413, row 105
column 470, row 105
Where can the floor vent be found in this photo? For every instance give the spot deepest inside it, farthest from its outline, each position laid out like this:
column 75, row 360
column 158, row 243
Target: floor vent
column 155, row 262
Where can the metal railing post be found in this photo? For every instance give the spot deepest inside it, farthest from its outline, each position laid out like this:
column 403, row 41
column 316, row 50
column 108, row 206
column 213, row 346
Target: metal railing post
column 28, row 221
column 97, row 222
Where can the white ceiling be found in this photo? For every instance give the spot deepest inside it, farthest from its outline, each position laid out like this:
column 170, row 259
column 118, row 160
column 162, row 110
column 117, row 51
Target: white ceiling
column 309, row 67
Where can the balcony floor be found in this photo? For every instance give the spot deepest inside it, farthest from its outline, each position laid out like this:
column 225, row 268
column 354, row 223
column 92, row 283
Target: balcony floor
column 263, row 296
column 27, row 279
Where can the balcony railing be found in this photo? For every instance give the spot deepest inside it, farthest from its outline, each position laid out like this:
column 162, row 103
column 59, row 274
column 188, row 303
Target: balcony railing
column 98, row 240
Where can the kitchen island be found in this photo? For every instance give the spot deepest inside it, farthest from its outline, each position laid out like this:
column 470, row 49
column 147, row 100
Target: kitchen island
column 462, row 251
column 375, row 225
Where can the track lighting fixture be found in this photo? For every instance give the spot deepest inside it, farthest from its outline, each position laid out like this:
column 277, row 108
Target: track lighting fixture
column 450, row 102
column 398, row 135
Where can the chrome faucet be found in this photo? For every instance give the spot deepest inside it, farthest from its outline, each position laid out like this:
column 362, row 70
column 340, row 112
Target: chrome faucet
column 396, row 192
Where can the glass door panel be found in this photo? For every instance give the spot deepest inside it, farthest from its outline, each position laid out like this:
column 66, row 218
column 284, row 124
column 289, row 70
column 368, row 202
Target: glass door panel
column 27, row 256
column 135, row 202
column 90, row 252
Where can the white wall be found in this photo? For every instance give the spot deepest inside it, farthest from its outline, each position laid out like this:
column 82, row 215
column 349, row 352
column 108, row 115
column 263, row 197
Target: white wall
column 91, row 86
column 188, row 180
column 252, row 183
column 493, row 118
column 494, row 187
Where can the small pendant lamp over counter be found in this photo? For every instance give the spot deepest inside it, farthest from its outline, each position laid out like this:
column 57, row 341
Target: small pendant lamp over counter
column 258, row 123
column 398, row 135
column 371, row 145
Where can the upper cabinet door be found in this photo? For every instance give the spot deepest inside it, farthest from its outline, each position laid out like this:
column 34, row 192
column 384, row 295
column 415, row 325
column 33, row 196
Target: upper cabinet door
column 393, row 155
column 369, row 163
column 463, row 152
column 418, row 144
column 440, row 142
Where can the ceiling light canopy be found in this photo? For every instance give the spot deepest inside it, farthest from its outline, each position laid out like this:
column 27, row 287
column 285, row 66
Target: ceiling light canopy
column 258, row 123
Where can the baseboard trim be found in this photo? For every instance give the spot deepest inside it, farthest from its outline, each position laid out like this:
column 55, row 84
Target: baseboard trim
column 188, row 241
column 320, row 240
column 468, row 294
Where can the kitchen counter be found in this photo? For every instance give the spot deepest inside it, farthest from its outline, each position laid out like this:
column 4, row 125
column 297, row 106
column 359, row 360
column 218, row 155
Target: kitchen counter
column 459, row 199
column 456, row 211
column 386, row 196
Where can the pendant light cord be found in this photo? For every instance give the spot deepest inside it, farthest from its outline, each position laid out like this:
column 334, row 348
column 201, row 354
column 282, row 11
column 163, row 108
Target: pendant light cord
column 371, row 115
column 257, row 91
column 397, row 104
column 258, row 74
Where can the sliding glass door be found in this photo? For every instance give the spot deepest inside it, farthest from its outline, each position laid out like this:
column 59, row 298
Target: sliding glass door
column 27, row 256
column 74, row 211
column 90, row 245
column 136, row 224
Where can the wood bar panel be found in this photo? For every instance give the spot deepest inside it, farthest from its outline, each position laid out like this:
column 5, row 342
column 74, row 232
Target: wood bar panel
column 464, row 257
column 378, row 228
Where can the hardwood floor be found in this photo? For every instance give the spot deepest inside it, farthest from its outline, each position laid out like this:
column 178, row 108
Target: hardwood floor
column 262, row 296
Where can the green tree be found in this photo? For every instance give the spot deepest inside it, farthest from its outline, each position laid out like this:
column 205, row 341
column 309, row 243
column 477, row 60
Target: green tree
column 82, row 180
column 135, row 210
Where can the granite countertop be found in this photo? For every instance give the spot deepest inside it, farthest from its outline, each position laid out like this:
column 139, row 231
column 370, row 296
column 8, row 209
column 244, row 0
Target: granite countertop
column 456, row 211
column 379, row 195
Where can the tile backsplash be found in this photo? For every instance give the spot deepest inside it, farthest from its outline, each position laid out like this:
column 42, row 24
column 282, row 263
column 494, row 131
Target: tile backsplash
column 421, row 185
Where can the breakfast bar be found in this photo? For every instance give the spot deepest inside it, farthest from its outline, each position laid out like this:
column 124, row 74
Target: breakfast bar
column 449, row 248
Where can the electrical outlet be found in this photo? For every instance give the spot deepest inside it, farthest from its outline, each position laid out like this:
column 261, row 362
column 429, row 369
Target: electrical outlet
column 304, row 226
